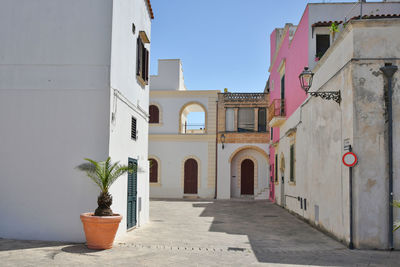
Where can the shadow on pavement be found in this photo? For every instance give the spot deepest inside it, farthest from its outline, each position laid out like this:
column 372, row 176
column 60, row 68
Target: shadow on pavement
column 10, row 244
column 276, row 236
column 79, row 249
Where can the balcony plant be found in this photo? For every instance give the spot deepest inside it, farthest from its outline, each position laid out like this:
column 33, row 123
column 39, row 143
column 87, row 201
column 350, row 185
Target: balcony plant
column 101, row 226
column 333, row 29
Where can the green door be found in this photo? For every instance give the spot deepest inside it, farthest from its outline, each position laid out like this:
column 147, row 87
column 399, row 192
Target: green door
column 132, row 195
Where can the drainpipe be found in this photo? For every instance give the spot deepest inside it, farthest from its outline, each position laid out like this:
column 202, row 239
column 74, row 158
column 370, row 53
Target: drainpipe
column 216, row 153
column 389, row 70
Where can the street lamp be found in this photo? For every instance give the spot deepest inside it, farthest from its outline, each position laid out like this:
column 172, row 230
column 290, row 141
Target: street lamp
column 223, row 140
column 306, row 79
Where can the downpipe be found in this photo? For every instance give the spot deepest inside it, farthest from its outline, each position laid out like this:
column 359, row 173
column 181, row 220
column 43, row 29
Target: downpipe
column 389, row 70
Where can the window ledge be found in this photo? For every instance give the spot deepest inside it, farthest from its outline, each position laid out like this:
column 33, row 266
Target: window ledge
column 156, row 124
column 155, row 184
column 292, row 183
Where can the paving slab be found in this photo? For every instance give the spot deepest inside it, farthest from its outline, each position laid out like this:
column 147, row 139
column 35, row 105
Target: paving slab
column 205, row 233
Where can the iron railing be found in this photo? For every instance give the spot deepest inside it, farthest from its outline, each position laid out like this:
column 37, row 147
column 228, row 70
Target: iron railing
column 193, row 128
column 244, row 97
column 277, row 108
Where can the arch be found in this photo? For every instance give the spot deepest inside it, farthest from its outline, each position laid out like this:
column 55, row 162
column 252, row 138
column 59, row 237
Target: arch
column 158, row 162
column 189, row 104
column 198, row 171
column 158, row 106
column 255, row 162
column 262, row 152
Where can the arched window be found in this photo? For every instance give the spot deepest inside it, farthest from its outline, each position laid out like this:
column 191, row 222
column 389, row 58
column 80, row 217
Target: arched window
column 154, row 114
column 153, row 171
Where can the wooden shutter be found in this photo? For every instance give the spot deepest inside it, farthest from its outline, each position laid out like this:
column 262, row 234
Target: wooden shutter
column 132, row 195
column 138, row 49
column 146, row 69
column 133, row 128
column 154, row 114
column 276, row 168
column 292, row 163
column 153, row 171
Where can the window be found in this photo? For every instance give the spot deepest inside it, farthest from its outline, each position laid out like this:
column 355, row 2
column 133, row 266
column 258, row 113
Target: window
column 230, row 120
column 142, row 62
column 246, row 120
column 133, row 129
column 292, row 164
column 262, row 120
column 153, row 171
column 154, row 114
column 323, row 43
column 276, row 168
column 272, row 133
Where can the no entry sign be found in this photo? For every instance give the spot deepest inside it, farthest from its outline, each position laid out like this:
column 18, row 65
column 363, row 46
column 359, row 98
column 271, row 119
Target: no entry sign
column 349, row 159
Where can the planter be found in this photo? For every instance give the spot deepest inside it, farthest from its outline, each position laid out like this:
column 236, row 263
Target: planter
column 100, row 230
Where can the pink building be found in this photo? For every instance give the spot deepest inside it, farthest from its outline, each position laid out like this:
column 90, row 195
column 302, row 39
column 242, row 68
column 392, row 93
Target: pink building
column 295, row 47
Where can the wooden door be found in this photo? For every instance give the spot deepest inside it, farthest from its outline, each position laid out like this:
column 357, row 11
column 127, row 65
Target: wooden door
column 247, row 177
column 132, row 195
column 190, row 177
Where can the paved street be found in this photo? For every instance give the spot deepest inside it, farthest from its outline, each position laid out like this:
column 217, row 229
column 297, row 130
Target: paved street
column 205, row 233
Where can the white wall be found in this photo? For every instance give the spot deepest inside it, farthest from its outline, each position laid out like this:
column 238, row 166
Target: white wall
column 224, row 167
column 338, row 12
column 170, row 76
column 54, row 110
column 129, row 99
column 172, row 155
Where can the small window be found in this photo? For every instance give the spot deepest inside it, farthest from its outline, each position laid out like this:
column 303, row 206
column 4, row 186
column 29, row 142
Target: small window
column 153, row 171
column 230, row 120
column 272, row 133
column 262, row 120
column 142, row 62
column 154, row 114
column 323, row 43
column 276, row 168
column 292, row 164
column 133, row 129
column 246, row 120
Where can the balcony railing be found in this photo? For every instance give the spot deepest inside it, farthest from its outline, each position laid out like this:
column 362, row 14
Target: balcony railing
column 277, row 108
column 193, row 128
column 244, row 97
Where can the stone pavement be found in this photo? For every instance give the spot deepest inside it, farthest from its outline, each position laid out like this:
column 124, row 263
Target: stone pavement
column 205, row 233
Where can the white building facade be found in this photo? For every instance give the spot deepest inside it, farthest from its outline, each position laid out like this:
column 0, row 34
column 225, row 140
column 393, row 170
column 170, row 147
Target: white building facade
column 182, row 154
column 73, row 85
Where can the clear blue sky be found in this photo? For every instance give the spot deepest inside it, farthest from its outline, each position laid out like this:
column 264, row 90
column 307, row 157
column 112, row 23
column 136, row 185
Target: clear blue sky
column 222, row 43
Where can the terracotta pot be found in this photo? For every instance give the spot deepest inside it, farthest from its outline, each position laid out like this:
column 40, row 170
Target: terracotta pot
column 100, row 230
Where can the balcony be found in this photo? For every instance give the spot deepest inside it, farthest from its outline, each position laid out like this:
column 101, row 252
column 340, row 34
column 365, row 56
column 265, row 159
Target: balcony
column 193, row 128
column 276, row 113
column 244, row 97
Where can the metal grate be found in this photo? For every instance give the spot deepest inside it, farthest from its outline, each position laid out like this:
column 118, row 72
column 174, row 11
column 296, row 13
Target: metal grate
column 133, row 129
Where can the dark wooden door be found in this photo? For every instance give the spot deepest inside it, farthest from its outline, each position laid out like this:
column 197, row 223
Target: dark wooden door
column 190, row 178
column 247, row 177
column 132, row 195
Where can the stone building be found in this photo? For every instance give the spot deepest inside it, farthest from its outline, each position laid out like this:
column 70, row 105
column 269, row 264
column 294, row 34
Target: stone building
column 311, row 134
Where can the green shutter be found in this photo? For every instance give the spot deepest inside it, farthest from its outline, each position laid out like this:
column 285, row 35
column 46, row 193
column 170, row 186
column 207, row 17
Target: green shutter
column 132, row 195
column 292, row 163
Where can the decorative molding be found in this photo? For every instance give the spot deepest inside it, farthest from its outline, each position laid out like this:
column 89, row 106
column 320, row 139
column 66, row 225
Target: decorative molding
column 256, row 148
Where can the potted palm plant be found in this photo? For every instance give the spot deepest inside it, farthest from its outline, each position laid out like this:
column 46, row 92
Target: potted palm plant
column 101, row 226
column 396, row 225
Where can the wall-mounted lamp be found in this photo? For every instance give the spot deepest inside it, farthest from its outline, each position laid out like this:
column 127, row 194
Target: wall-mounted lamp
column 306, row 79
column 223, row 140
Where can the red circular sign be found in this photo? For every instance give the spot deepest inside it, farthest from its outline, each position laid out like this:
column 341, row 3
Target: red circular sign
column 349, row 159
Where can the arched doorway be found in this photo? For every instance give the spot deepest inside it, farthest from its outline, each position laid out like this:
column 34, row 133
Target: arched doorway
column 190, row 177
column 247, row 177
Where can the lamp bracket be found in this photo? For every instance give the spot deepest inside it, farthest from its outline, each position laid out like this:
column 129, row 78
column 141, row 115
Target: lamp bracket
column 328, row 95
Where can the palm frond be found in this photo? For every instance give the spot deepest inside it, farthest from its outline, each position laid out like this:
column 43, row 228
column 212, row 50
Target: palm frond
column 104, row 173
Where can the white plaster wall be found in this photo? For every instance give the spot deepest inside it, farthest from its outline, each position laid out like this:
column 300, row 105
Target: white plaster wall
column 171, row 155
column 338, row 12
column 54, row 111
column 129, row 99
column 224, row 167
column 170, row 76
